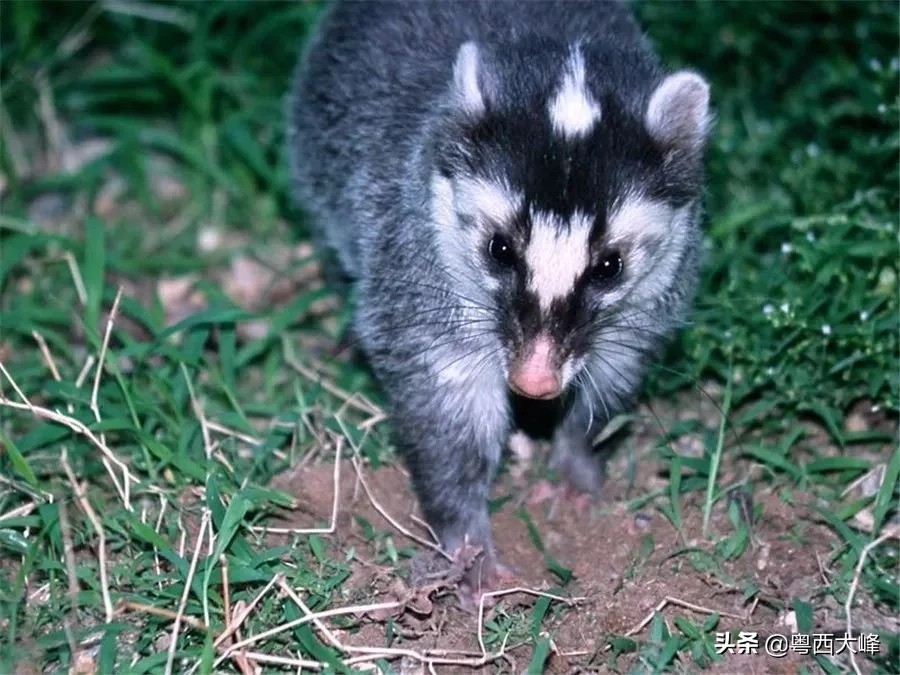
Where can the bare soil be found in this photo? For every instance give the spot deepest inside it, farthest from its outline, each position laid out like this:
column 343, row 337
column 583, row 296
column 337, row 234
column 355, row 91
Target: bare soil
column 625, row 564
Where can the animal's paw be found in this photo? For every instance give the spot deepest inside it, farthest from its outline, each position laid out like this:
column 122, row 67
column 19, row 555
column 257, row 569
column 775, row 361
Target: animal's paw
column 483, row 574
column 558, row 494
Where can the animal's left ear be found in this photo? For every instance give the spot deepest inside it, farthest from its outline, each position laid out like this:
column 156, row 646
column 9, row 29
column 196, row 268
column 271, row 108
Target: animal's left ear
column 469, row 79
column 678, row 113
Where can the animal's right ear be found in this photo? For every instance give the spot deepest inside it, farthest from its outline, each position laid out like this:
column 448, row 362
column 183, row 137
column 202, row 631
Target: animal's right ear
column 469, row 80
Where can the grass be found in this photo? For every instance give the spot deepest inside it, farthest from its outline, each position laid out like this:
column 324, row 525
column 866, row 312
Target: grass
column 143, row 144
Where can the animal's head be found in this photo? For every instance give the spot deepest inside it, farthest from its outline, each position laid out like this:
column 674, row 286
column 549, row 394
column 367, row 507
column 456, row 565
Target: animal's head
column 564, row 191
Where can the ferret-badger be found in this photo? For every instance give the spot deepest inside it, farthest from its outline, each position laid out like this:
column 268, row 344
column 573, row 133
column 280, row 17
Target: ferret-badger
column 514, row 189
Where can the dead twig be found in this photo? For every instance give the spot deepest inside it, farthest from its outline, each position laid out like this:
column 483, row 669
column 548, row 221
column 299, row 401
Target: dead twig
column 890, row 532
column 335, row 501
column 670, row 600
column 82, row 500
column 128, row 605
column 179, row 616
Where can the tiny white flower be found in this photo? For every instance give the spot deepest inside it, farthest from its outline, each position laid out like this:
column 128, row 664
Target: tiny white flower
column 812, row 150
column 786, row 248
column 875, row 64
column 882, row 108
column 826, row 329
column 785, row 307
column 864, row 315
column 210, row 239
column 770, row 371
column 810, row 236
column 768, row 309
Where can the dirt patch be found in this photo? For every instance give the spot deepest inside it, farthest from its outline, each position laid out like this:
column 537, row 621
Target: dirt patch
column 624, row 564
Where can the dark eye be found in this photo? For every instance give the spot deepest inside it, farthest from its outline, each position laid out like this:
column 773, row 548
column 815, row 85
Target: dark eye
column 610, row 267
column 501, row 250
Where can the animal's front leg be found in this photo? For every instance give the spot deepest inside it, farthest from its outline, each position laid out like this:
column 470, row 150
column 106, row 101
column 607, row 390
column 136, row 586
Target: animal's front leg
column 451, row 435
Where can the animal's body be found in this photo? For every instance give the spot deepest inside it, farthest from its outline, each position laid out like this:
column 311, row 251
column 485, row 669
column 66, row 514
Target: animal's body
column 514, row 189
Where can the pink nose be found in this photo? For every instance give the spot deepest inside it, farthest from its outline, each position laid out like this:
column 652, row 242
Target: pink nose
column 535, row 384
column 535, row 375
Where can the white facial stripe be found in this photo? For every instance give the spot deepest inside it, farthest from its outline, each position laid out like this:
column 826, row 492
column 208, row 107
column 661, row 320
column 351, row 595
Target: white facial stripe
column 658, row 269
column 656, row 234
column 442, row 212
column 640, row 218
column 573, row 112
column 459, row 245
column 454, row 241
column 556, row 256
column 492, row 200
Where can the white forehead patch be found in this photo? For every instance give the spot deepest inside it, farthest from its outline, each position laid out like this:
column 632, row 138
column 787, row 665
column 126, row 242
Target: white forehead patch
column 488, row 199
column 573, row 112
column 556, row 255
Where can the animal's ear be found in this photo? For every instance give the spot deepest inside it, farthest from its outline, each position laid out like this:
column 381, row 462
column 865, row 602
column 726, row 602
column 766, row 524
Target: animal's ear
column 678, row 113
column 470, row 82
